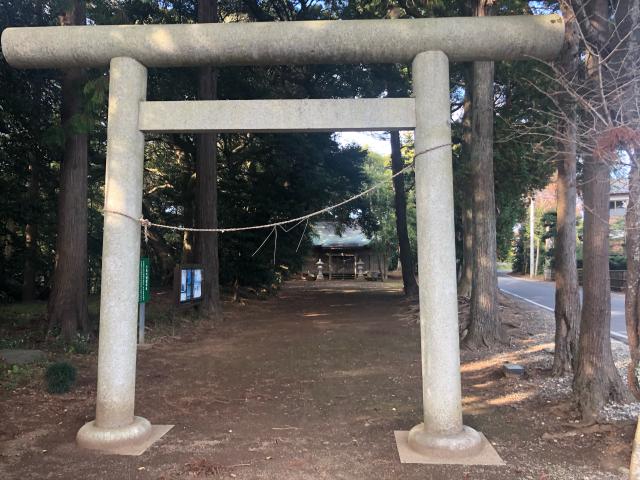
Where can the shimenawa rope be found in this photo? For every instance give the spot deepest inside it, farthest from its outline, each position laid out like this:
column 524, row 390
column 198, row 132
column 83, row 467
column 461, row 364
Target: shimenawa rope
column 146, row 224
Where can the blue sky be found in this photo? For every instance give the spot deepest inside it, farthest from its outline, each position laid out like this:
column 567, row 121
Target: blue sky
column 374, row 141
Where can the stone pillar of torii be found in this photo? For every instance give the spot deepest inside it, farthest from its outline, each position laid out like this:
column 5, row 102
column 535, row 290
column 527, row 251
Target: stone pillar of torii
column 430, row 44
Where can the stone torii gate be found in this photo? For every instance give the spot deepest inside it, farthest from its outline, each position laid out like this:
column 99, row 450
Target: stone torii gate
column 430, row 44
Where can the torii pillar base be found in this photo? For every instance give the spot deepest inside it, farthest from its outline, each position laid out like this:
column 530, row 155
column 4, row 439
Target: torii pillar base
column 482, row 453
column 132, row 439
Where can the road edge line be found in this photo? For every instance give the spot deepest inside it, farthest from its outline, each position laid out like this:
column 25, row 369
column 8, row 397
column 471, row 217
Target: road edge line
column 527, row 300
column 615, row 335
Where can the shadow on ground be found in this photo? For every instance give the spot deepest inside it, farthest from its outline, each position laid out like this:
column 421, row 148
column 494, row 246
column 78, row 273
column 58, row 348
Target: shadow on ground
column 311, row 385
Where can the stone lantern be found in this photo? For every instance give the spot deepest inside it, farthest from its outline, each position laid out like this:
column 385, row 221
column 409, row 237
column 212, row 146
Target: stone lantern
column 360, row 267
column 320, row 265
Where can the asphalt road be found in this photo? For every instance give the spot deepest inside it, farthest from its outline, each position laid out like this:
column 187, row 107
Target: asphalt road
column 542, row 294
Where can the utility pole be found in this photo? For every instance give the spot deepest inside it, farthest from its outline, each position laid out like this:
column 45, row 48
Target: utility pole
column 532, row 252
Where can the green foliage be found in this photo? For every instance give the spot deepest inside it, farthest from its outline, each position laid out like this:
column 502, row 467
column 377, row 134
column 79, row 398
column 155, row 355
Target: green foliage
column 521, row 166
column 616, row 262
column 379, row 221
column 520, row 259
column 18, row 375
column 262, row 178
column 60, row 377
column 547, row 230
column 544, row 229
column 81, row 344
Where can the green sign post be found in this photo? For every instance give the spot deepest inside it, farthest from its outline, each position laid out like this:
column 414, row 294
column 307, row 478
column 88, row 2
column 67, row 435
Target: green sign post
column 143, row 295
column 143, row 285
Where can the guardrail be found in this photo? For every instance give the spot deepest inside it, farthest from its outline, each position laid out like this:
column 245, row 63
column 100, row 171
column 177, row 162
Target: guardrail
column 618, row 279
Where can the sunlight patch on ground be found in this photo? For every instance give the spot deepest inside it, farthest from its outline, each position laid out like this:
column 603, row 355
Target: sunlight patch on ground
column 357, row 372
column 518, row 356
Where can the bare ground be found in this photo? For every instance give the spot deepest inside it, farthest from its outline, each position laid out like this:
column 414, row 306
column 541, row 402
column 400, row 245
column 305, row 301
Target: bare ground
column 311, row 385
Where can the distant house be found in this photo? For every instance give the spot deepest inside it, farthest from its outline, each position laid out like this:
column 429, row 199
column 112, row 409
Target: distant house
column 340, row 252
column 618, row 197
column 618, row 200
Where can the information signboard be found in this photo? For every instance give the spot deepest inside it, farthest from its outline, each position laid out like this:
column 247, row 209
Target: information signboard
column 190, row 284
column 143, row 284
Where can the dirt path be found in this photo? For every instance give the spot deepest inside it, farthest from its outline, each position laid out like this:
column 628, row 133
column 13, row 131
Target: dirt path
column 309, row 385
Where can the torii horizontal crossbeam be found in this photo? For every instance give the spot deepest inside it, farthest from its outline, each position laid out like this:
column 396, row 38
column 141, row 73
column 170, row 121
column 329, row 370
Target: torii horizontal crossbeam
column 278, row 115
column 279, row 43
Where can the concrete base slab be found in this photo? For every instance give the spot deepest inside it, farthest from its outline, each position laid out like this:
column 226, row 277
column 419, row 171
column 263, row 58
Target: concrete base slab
column 22, row 357
column 486, row 456
column 136, row 449
column 157, row 432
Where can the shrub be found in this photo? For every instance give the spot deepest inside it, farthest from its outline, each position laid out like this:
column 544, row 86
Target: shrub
column 617, row 262
column 80, row 345
column 60, row 377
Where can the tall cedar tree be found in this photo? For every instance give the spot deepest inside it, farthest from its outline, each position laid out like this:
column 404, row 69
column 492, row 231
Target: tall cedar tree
column 31, row 227
column 207, row 189
column 31, row 200
column 400, row 197
column 466, row 276
column 567, row 309
column 67, row 307
column 484, row 328
column 596, row 379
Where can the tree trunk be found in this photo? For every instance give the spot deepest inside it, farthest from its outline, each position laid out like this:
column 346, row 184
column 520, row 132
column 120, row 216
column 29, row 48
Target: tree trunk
column 634, row 470
column 162, row 253
column 188, row 218
column 31, row 236
column 67, row 307
column 596, row 380
column 567, row 304
column 29, row 272
column 206, row 180
column 386, row 263
column 632, row 297
column 567, row 297
column 187, row 245
column 631, row 23
column 464, row 285
column 406, row 257
column 631, row 56
column 32, row 200
column 532, row 240
column 485, row 328
column 466, row 277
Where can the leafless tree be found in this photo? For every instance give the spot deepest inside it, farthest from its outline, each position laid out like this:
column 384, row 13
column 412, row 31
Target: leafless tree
column 595, row 124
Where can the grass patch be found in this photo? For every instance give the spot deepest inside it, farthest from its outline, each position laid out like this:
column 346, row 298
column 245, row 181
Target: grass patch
column 21, row 314
column 24, row 325
column 15, row 376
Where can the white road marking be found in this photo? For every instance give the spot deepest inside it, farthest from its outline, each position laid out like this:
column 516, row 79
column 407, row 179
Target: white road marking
column 527, row 300
column 616, row 335
column 620, row 337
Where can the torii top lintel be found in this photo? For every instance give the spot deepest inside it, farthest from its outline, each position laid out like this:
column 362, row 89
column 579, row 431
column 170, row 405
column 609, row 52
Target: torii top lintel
column 276, row 43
